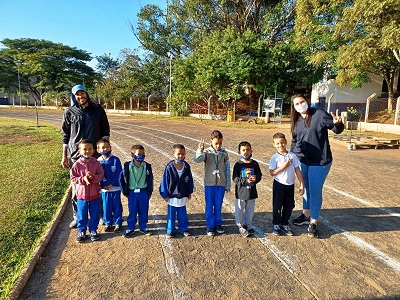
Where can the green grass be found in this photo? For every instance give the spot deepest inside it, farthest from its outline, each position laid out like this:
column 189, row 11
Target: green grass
column 32, row 187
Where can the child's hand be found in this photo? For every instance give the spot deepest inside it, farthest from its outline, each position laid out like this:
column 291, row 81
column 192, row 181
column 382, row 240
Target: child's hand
column 301, row 190
column 107, row 187
column 201, row 145
column 166, row 199
column 89, row 175
column 86, row 179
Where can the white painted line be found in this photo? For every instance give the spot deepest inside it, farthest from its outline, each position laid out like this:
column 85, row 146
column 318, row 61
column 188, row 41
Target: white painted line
column 394, row 264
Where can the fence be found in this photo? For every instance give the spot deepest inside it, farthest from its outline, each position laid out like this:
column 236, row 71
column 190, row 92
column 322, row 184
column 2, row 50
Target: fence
column 373, row 111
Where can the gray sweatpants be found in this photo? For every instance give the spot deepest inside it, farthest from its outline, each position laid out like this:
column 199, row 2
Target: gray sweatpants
column 244, row 211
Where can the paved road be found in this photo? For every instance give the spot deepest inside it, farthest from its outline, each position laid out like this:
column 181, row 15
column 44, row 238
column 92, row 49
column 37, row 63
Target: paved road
column 356, row 257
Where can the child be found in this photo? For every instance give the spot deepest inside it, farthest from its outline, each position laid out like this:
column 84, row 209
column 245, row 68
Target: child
column 110, row 189
column 284, row 166
column 216, row 180
column 136, row 181
column 246, row 174
column 86, row 173
column 176, row 189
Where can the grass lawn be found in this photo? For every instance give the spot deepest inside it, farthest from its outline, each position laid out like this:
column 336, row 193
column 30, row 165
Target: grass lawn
column 31, row 190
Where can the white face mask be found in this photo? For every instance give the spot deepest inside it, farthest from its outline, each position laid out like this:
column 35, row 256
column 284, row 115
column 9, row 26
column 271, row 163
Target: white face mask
column 302, row 108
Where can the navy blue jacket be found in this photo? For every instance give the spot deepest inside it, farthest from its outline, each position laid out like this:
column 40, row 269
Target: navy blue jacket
column 173, row 186
column 311, row 144
column 124, row 178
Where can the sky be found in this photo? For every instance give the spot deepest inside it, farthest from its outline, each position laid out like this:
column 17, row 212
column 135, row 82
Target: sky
column 96, row 26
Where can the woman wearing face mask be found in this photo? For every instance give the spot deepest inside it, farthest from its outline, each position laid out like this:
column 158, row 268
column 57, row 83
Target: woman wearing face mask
column 309, row 129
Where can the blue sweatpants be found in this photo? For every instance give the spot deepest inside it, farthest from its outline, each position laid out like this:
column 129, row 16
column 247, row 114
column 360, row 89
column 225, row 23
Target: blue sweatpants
column 138, row 205
column 314, row 179
column 214, row 196
column 112, row 208
column 180, row 214
column 83, row 208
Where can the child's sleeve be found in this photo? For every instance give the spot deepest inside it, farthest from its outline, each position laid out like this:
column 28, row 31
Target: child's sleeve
column 123, row 183
column 257, row 171
column 99, row 173
column 115, row 179
column 237, row 179
column 163, row 189
column 199, row 157
column 150, row 179
column 228, row 173
column 75, row 176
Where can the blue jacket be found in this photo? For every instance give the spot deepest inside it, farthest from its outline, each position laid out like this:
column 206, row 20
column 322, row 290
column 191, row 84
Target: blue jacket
column 173, row 186
column 112, row 169
column 124, row 178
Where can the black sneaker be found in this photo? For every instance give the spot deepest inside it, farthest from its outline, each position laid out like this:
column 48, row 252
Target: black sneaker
column 219, row 229
column 312, row 230
column 145, row 231
column 170, row 235
column 301, row 220
column 128, row 233
column 117, row 228
column 94, row 236
column 81, row 237
column 108, row 228
column 251, row 230
column 186, row 233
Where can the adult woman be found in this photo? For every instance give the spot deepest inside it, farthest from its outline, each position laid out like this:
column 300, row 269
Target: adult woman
column 309, row 128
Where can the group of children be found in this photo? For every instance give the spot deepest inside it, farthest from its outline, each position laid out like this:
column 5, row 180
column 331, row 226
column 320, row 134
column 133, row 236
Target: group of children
column 99, row 182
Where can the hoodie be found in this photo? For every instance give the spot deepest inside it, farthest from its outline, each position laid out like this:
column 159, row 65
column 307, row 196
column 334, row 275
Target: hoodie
column 80, row 123
column 78, row 172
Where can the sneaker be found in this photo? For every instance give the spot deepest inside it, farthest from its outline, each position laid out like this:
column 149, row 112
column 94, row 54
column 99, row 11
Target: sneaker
column 312, row 230
column 210, row 231
column 219, row 229
column 128, row 233
column 145, row 231
column 301, row 220
column 117, row 228
column 286, row 229
column 81, row 237
column 251, row 230
column 243, row 231
column 186, row 233
column 94, row 236
column 73, row 224
column 101, row 222
column 170, row 235
column 108, row 228
column 276, row 230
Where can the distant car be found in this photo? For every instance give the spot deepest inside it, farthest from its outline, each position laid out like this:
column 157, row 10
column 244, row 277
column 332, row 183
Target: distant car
column 252, row 113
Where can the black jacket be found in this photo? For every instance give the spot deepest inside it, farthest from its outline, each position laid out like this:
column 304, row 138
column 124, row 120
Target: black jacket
column 83, row 123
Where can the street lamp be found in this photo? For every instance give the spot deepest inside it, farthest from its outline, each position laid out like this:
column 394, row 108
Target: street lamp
column 170, row 76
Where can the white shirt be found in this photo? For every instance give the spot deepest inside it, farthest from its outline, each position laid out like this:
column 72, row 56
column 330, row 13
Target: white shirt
column 287, row 176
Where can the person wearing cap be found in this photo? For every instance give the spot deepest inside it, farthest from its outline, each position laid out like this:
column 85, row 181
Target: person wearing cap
column 84, row 119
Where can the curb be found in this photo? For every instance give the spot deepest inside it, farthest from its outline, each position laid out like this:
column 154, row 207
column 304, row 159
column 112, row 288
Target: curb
column 37, row 254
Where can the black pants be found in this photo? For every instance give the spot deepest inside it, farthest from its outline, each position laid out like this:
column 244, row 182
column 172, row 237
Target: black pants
column 282, row 203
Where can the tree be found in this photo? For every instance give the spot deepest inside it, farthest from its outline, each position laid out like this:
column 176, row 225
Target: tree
column 105, row 63
column 43, row 66
column 351, row 38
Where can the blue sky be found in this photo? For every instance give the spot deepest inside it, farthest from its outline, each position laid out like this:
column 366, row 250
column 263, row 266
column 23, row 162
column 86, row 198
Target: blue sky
column 97, row 26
